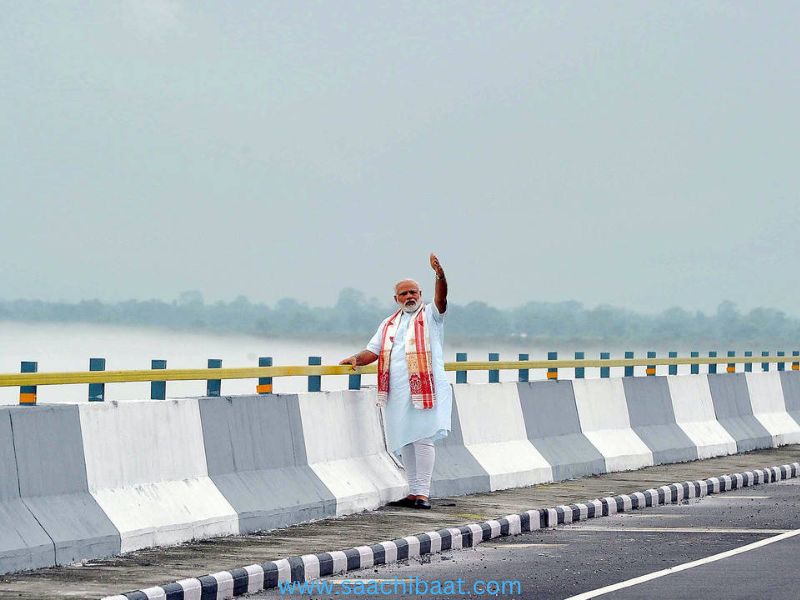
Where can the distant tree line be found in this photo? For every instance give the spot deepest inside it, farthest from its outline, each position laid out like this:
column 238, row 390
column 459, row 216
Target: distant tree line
column 355, row 315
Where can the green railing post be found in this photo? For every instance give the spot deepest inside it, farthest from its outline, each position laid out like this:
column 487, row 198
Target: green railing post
column 214, row 386
column 795, row 363
column 629, row 368
column 97, row 391
column 264, row 385
column 651, row 369
column 158, row 389
column 731, row 365
column 354, row 381
column 605, row 372
column 27, row 393
column 552, row 373
column 494, row 374
column 524, row 374
column 673, row 369
column 314, row 381
column 764, row 365
column 748, row 367
column 712, row 367
column 580, row 372
column 781, row 365
column 461, row 376
column 694, row 368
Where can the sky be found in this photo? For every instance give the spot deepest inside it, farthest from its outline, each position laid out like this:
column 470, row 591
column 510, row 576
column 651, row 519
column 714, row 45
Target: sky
column 639, row 154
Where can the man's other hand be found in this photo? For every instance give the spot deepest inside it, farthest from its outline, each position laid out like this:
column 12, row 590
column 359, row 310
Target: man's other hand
column 351, row 360
column 436, row 266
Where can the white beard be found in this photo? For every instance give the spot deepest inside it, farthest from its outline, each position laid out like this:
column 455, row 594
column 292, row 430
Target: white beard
column 410, row 306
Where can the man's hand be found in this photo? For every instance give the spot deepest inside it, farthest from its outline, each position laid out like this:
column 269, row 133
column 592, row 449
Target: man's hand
column 352, row 361
column 436, row 266
column 440, row 297
column 365, row 357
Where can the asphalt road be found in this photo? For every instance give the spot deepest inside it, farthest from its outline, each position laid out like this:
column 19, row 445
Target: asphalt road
column 721, row 532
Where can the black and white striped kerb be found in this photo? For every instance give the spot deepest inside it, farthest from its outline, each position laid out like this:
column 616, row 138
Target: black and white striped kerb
column 253, row 578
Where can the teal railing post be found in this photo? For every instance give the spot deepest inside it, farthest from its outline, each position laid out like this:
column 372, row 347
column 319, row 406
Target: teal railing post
column 781, row 365
column 605, row 372
column 651, row 369
column 461, row 376
column 712, row 367
column 731, row 365
column 354, row 381
column 629, row 369
column 694, row 368
column 580, row 372
column 673, row 369
column 264, row 385
column 795, row 361
column 314, row 381
column 494, row 374
column 158, row 389
column 97, row 391
column 552, row 373
column 748, row 367
column 765, row 365
column 214, row 386
column 27, row 393
column 524, row 374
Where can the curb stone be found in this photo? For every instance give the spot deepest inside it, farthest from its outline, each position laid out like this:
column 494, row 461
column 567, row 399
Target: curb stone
column 255, row 578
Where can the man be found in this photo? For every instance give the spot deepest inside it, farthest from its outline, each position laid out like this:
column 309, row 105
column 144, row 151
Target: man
column 412, row 384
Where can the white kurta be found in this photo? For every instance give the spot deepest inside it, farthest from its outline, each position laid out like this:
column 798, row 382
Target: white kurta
column 404, row 423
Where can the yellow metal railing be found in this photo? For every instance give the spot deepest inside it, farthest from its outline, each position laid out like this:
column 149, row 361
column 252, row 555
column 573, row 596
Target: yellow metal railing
column 150, row 375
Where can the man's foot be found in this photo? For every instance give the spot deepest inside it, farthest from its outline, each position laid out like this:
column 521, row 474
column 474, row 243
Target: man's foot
column 422, row 502
column 407, row 502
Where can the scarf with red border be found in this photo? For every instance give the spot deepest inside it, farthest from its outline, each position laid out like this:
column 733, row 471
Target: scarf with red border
column 418, row 359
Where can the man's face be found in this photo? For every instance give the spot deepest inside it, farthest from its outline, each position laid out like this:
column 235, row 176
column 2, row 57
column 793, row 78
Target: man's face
column 408, row 295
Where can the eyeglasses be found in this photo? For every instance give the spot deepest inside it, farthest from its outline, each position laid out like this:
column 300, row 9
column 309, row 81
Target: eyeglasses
column 407, row 293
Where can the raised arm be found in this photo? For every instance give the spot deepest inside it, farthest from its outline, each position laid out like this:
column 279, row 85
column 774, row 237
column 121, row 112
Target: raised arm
column 440, row 297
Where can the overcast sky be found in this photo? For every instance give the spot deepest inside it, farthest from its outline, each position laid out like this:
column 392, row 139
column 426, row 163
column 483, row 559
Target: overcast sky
column 642, row 154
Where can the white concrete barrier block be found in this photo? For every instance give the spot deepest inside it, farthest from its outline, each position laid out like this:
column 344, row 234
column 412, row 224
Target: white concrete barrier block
column 769, row 407
column 603, row 413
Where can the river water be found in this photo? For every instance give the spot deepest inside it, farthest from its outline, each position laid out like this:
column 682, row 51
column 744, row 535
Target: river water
column 68, row 347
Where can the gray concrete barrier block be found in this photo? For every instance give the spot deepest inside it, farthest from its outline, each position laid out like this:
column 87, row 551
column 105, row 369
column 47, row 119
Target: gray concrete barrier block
column 652, row 417
column 790, row 383
column 53, row 484
column 257, row 459
column 23, row 542
column 553, row 426
column 735, row 413
column 456, row 472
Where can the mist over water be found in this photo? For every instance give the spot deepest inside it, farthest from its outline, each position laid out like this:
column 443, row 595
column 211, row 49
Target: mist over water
column 68, row 347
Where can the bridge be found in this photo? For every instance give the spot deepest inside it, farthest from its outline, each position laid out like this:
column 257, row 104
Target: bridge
column 93, row 480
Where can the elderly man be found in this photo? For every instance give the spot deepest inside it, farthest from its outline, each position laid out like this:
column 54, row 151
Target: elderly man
column 411, row 381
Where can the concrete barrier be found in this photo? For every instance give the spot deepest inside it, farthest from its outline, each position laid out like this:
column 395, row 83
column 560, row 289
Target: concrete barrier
column 790, row 384
column 766, row 398
column 735, row 413
column 53, row 484
column 146, row 467
column 694, row 413
column 345, row 449
column 456, row 472
column 653, row 419
column 603, row 412
column 89, row 481
column 554, row 428
column 256, row 454
column 494, row 432
column 23, row 542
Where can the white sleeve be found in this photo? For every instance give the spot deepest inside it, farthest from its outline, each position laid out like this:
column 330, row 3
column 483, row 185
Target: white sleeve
column 374, row 345
column 437, row 316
